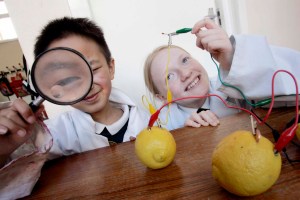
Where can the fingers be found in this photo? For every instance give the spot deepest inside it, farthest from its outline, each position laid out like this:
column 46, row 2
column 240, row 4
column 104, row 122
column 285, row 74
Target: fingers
column 15, row 124
column 192, row 123
column 204, row 23
column 209, row 117
column 3, row 129
column 213, row 40
column 131, row 138
column 207, row 31
column 24, row 110
column 204, row 118
column 17, row 118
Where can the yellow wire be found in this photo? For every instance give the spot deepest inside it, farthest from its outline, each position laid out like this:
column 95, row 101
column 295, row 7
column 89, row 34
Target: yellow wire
column 152, row 109
column 169, row 94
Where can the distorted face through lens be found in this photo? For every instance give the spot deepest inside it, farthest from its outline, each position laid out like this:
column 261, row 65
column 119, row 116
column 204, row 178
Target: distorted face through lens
column 62, row 76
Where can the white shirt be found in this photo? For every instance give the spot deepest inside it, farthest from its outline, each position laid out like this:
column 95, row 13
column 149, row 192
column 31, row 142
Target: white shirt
column 115, row 127
column 253, row 66
column 74, row 131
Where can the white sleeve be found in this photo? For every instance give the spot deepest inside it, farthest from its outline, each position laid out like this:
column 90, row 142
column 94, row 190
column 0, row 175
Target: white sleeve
column 254, row 64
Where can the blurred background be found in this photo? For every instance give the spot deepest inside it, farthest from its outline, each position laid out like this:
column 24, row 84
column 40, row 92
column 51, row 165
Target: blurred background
column 133, row 29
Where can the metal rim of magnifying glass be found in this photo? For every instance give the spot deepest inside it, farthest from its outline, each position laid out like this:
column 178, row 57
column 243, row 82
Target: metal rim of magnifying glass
column 45, row 96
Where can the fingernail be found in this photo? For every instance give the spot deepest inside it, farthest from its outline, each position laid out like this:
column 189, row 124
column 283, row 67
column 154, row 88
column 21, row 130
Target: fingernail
column 31, row 119
column 21, row 133
column 3, row 130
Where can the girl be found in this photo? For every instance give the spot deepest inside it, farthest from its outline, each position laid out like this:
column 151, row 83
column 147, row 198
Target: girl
column 246, row 62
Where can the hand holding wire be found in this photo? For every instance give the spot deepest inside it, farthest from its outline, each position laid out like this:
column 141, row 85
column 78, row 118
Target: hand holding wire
column 215, row 40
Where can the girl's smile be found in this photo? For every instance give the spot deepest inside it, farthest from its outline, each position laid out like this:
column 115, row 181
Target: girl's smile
column 196, row 80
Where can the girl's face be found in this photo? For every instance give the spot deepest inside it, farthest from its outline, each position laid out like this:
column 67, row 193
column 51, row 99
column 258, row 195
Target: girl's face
column 103, row 72
column 186, row 76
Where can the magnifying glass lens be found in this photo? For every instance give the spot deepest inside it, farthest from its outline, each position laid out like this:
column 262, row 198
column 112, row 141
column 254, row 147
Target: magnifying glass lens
column 62, row 76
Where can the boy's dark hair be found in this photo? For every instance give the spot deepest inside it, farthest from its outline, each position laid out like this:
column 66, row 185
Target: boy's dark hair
column 64, row 27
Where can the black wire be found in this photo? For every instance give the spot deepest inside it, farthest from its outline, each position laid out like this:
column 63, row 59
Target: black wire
column 276, row 136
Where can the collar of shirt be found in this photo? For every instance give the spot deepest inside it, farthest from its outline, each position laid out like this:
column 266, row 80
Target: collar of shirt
column 115, row 127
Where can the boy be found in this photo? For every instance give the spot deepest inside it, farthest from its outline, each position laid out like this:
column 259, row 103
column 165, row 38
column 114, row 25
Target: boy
column 106, row 115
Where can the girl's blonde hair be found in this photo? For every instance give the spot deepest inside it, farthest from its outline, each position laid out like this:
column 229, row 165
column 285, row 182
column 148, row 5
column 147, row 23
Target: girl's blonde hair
column 147, row 67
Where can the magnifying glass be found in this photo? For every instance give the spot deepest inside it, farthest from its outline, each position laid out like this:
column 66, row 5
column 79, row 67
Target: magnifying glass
column 62, row 76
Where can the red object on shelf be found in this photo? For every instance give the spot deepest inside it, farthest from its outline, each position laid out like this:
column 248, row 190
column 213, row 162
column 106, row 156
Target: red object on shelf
column 5, row 87
column 17, row 88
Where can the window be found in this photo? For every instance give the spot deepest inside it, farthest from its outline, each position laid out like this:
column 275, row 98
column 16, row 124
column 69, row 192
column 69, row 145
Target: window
column 7, row 30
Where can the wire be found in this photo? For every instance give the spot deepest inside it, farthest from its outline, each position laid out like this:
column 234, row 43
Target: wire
column 154, row 117
column 169, row 94
column 276, row 135
column 285, row 137
column 258, row 104
column 150, row 107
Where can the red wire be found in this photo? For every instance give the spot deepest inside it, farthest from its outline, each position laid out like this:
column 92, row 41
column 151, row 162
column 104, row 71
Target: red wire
column 281, row 140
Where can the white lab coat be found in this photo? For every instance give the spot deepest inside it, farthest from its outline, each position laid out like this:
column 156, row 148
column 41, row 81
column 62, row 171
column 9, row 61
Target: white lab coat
column 75, row 131
column 253, row 66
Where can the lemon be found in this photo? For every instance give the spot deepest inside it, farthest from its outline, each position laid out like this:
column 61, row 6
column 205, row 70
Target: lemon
column 155, row 147
column 298, row 131
column 243, row 166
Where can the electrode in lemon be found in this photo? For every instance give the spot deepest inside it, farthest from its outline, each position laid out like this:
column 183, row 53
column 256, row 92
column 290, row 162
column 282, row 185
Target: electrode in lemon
column 155, row 147
column 244, row 166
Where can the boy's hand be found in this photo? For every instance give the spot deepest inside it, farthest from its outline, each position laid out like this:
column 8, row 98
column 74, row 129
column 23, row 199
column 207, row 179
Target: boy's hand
column 15, row 123
column 214, row 39
column 204, row 118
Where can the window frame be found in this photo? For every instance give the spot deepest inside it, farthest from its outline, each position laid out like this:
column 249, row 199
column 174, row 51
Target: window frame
column 14, row 35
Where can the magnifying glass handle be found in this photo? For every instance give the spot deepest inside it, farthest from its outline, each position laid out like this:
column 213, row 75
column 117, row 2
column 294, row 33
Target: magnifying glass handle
column 35, row 104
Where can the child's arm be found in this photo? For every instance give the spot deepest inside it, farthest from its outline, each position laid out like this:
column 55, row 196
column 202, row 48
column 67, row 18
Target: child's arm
column 203, row 118
column 214, row 39
column 15, row 121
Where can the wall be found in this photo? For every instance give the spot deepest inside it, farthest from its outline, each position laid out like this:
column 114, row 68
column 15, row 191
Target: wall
column 276, row 19
column 30, row 16
column 10, row 54
column 133, row 29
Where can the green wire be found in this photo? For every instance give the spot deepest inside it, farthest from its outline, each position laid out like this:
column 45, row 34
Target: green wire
column 259, row 103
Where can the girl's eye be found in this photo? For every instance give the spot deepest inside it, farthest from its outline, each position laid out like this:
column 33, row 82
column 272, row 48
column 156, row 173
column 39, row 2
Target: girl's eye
column 171, row 77
column 185, row 60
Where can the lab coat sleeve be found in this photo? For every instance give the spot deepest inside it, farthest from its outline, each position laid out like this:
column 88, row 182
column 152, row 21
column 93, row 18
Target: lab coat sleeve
column 253, row 65
column 63, row 143
column 138, row 120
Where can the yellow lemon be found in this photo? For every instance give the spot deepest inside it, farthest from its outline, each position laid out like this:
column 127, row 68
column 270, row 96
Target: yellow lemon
column 155, row 147
column 298, row 131
column 243, row 166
